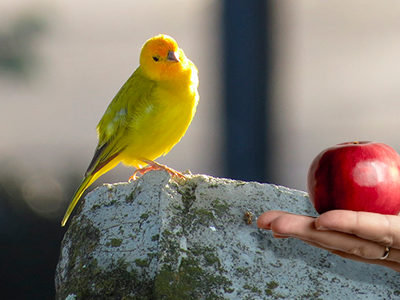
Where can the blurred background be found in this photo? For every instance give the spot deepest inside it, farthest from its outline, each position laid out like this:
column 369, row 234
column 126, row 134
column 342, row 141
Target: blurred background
column 279, row 82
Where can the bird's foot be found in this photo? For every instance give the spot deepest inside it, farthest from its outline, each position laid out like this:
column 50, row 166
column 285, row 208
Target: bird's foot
column 152, row 165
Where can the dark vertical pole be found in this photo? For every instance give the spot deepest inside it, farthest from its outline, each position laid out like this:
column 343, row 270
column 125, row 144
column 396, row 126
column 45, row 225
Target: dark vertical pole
column 245, row 70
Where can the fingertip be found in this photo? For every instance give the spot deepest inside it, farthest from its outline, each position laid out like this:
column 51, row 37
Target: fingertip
column 264, row 220
column 281, row 226
column 320, row 227
column 319, row 223
column 280, row 236
column 292, row 224
column 330, row 219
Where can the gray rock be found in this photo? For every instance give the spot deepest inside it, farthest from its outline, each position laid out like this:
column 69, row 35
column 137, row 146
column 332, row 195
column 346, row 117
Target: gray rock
column 160, row 238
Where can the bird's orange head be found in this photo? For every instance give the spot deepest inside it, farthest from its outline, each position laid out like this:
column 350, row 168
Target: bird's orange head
column 161, row 58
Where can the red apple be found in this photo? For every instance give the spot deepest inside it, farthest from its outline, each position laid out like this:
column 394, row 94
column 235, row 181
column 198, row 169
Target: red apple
column 360, row 176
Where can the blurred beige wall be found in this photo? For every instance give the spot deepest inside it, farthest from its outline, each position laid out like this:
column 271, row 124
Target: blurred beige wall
column 337, row 79
column 87, row 52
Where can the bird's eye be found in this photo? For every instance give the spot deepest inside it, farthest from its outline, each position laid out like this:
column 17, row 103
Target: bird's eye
column 155, row 58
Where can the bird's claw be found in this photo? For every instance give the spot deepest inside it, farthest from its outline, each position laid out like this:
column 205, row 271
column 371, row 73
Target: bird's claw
column 152, row 165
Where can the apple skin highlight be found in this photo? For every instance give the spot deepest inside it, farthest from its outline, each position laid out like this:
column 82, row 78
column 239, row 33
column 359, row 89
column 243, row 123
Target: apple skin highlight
column 359, row 176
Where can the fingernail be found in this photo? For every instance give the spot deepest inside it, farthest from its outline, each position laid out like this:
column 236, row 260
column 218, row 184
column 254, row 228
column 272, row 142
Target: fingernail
column 280, row 236
column 321, row 228
column 264, row 226
column 267, row 226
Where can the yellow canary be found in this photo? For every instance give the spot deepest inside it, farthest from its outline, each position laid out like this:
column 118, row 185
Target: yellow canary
column 149, row 114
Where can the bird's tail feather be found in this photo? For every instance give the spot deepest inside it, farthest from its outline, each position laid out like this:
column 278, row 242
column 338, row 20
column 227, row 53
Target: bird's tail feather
column 98, row 169
column 86, row 182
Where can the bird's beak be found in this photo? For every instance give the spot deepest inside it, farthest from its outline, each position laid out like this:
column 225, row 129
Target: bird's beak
column 173, row 56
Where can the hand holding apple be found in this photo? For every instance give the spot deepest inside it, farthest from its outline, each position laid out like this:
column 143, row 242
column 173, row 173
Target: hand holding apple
column 359, row 176
column 361, row 236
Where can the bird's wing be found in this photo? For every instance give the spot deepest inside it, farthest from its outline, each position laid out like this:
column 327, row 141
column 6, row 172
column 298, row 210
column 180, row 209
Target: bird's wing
column 115, row 123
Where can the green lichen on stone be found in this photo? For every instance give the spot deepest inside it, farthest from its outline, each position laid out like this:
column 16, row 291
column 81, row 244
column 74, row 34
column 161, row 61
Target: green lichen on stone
column 144, row 216
column 195, row 272
column 212, row 259
column 132, row 196
column 252, row 288
column 93, row 282
column 115, row 242
column 220, row 207
column 242, row 271
column 95, row 207
column 185, row 215
column 187, row 191
column 143, row 263
column 213, row 186
column 168, row 242
column 111, row 203
column 206, row 256
column 153, row 255
column 155, row 237
column 271, row 286
column 313, row 295
column 202, row 216
column 121, row 230
column 191, row 215
column 240, row 183
column 88, row 280
column 316, row 279
column 85, row 240
column 190, row 281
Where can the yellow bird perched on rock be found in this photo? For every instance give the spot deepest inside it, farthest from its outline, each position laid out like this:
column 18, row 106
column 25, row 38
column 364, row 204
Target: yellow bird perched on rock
column 148, row 116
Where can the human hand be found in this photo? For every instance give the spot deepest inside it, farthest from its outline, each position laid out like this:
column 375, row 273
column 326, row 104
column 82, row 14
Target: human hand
column 361, row 236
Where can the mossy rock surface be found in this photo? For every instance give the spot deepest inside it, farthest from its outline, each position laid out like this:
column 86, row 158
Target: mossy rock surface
column 160, row 238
